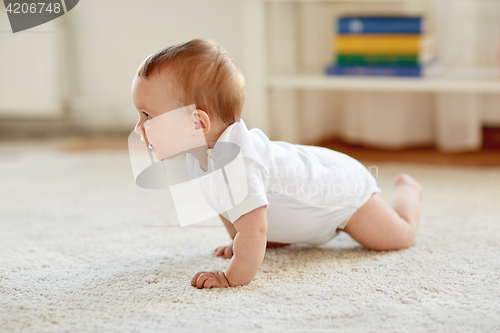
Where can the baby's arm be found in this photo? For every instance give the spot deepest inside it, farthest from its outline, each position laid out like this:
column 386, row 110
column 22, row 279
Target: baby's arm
column 229, row 226
column 249, row 247
column 226, row 251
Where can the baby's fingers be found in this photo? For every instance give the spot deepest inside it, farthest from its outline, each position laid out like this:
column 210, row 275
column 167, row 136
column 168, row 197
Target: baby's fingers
column 228, row 252
column 225, row 251
column 200, row 281
column 211, row 282
column 219, row 251
column 195, row 278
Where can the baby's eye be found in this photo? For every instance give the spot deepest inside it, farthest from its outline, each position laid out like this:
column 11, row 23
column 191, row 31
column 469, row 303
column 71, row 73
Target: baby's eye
column 147, row 116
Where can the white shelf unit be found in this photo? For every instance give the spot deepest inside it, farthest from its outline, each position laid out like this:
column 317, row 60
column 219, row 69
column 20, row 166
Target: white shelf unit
column 286, row 52
column 321, row 82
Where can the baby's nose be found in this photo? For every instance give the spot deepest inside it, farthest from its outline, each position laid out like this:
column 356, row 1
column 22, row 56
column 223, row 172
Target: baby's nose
column 138, row 129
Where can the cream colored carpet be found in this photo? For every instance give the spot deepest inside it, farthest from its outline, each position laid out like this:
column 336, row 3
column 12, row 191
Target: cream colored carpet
column 84, row 250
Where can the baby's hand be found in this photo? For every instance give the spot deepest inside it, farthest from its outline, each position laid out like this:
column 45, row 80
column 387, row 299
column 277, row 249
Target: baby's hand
column 213, row 279
column 225, row 251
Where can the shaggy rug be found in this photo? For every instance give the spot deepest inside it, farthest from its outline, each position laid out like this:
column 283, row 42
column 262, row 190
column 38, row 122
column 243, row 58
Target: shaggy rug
column 82, row 249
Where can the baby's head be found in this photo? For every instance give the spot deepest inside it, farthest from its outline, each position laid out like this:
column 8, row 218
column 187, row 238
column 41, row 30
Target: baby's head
column 198, row 72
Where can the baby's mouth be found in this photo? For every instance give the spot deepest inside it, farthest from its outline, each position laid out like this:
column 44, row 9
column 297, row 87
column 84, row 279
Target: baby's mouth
column 150, row 147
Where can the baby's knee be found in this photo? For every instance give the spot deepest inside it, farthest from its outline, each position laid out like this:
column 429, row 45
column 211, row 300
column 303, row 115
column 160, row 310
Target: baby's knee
column 405, row 241
column 399, row 241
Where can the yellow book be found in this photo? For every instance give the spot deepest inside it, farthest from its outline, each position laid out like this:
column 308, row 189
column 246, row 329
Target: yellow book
column 378, row 44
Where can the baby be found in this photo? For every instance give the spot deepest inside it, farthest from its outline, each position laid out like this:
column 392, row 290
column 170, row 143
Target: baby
column 297, row 193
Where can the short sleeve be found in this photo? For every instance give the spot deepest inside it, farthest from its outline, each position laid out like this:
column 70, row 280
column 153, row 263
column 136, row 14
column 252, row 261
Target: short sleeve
column 256, row 196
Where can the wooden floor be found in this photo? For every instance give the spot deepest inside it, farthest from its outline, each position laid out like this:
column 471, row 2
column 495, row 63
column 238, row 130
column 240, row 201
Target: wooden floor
column 489, row 155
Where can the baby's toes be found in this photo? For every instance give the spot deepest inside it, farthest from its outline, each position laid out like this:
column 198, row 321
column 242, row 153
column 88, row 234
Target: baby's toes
column 405, row 179
column 401, row 178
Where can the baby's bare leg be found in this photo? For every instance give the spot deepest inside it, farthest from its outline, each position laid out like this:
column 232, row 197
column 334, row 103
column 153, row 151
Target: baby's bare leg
column 407, row 200
column 380, row 226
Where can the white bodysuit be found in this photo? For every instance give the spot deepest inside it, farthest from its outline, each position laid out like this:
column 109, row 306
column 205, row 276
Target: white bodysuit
column 309, row 191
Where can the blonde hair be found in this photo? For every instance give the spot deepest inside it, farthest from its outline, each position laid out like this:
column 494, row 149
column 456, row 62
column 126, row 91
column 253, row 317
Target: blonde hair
column 205, row 74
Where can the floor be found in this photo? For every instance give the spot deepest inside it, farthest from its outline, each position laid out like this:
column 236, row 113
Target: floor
column 85, row 250
column 489, row 155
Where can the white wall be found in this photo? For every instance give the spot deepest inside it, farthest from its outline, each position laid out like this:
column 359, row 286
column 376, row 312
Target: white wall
column 109, row 39
column 30, row 86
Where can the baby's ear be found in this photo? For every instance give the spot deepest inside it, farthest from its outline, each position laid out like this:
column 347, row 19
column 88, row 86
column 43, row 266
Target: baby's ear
column 201, row 122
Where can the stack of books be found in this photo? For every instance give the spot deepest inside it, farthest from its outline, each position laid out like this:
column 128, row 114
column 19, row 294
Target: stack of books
column 387, row 46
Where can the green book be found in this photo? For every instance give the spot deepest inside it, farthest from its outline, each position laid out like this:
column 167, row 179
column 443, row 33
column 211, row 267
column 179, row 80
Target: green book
column 376, row 59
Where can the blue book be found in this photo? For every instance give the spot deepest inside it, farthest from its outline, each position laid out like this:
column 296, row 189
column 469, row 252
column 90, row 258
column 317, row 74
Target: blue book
column 380, row 25
column 414, row 71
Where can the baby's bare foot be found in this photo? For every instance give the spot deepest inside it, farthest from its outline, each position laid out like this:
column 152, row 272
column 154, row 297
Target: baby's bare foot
column 405, row 179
